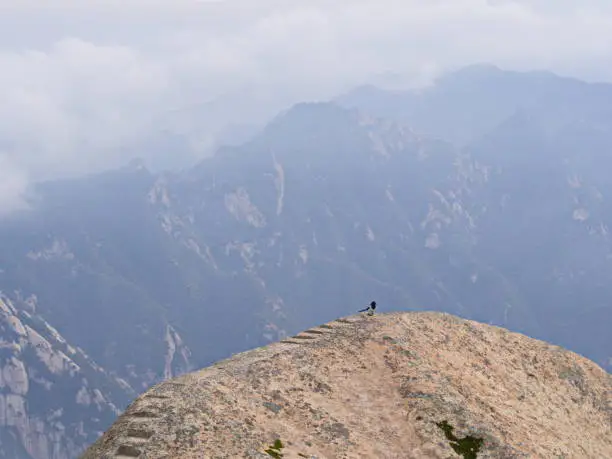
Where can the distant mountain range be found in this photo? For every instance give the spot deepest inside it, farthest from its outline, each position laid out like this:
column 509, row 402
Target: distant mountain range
column 484, row 195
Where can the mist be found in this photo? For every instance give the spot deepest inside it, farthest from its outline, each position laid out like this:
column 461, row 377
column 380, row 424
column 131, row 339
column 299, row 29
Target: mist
column 87, row 87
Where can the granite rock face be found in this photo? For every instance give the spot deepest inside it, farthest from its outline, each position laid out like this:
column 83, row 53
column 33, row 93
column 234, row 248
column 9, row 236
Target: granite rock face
column 54, row 400
column 413, row 385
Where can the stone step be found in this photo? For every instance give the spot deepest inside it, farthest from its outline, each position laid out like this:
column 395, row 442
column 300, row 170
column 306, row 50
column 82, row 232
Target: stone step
column 341, row 324
column 139, row 434
column 300, row 336
column 345, row 321
column 160, row 396
column 127, row 452
column 134, row 442
column 143, row 415
column 174, row 383
column 315, row 331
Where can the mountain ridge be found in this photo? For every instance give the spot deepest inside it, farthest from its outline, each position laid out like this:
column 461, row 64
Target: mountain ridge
column 394, row 384
column 153, row 275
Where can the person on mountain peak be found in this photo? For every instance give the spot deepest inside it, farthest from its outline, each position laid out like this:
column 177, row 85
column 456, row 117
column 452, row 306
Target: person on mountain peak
column 370, row 309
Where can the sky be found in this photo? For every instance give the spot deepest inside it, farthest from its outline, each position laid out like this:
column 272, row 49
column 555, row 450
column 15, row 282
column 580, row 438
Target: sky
column 85, row 86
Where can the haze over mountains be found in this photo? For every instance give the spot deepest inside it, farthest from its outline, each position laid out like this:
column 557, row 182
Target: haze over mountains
column 485, row 196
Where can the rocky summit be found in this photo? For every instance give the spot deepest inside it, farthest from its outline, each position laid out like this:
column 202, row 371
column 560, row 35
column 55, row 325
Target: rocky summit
column 397, row 385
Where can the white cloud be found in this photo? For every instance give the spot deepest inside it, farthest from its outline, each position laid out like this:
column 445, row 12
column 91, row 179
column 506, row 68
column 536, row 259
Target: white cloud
column 82, row 82
column 13, row 184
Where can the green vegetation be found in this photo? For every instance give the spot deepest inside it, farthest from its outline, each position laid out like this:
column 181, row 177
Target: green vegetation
column 275, row 450
column 572, row 374
column 274, row 407
column 467, row 446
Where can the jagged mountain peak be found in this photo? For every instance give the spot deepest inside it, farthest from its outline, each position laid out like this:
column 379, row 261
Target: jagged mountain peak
column 414, row 385
column 478, row 70
column 308, row 117
column 322, row 132
column 303, row 110
column 487, row 73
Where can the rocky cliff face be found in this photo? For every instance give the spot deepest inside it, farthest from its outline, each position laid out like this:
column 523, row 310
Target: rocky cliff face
column 413, row 385
column 54, row 400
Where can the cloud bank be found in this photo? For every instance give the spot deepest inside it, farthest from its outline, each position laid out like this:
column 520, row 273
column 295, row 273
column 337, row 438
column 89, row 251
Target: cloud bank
column 86, row 85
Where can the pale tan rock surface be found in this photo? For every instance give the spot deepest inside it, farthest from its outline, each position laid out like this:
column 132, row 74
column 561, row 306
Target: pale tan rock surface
column 376, row 387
